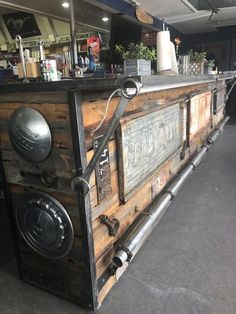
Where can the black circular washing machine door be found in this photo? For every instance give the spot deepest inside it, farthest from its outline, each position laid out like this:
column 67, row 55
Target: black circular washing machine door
column 30, row 134
column 45, row 225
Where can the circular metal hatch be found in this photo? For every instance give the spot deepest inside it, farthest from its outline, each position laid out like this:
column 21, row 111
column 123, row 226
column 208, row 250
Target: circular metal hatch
column 30, row 134
column 45, row 225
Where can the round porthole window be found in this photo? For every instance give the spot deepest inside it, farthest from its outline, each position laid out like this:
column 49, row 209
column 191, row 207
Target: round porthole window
column 30, row 135
column 45, row 225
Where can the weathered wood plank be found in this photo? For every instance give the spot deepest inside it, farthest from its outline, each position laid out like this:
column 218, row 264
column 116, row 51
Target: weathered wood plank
column 51, row 275
column 35, row 97
column 128, row 212
column 55, row 173
column 51, row 112
column 200, row 114
column 93, row 111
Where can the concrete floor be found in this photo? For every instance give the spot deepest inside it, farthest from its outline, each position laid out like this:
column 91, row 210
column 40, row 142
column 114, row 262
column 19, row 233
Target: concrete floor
column 188, row 265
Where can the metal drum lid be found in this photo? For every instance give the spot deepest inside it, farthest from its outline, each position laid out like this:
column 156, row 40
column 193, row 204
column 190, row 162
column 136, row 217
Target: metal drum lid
column 30, row 134
column 45, row 225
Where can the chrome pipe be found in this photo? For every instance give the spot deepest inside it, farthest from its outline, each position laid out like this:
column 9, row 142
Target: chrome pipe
column 120, row 258
column 41, row 50
column 217, row 132
column 214, row 137
column 146, row 224
column 198, row 158
column 159, row 87
column 175, row 187
column 140, row 231
column 22, row 57
column 74, row 48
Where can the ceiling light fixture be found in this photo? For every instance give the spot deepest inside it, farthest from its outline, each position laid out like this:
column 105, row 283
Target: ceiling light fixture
column 105, row 19
column 65, row 5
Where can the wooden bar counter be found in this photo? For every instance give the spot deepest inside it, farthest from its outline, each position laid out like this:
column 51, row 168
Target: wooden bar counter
column 65, row 239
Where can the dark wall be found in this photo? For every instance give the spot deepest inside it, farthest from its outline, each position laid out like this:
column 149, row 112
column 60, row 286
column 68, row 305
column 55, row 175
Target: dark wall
column 221, row 43
column 123, row 32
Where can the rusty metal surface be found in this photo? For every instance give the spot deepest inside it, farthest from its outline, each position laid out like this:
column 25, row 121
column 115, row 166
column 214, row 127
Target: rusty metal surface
column 102, row 172
column 145, row 142
column 200, row 114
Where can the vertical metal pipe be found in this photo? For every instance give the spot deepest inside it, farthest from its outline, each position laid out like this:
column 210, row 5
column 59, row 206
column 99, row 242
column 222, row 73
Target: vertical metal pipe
column 41, row 51
column 22, row 57
column 74, row 49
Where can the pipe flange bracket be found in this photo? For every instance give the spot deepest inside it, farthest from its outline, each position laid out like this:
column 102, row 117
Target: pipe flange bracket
column 205, row 145
column 127, row 251
column 194, row 166
column 79, row 181
column 171, row 194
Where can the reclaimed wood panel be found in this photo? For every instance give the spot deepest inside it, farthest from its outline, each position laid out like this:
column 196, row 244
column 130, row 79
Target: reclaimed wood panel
column 56, row 172
column 35, row 97
column 68, row 277
column 128, row 213
column 71, row 283
column 93, row 111
column 158, row 183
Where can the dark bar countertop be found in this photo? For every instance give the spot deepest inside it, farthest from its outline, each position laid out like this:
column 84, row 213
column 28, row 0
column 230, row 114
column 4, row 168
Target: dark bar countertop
column 160, row 82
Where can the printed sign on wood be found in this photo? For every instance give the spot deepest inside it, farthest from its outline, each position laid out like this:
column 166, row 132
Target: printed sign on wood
column 145, row 141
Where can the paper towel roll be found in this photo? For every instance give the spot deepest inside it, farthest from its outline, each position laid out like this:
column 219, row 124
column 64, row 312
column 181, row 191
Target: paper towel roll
column 174, row 66
column 163, row 51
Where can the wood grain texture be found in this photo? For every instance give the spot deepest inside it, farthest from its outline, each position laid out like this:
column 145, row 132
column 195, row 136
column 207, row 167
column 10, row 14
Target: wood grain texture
column 67, row 277
column 200, row 114
column 93, row 111
column 58, row 169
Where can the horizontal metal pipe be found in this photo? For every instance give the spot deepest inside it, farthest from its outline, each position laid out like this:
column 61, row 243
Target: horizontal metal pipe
column 159, row 87
column 217, row 132
column 177, row 184
column 198, row 158
column 145, row 225
column 120, row 258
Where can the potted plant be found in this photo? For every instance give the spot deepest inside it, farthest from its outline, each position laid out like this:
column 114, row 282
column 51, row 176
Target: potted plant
column 196, row 64
column 137, row 58
column 211, row 65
